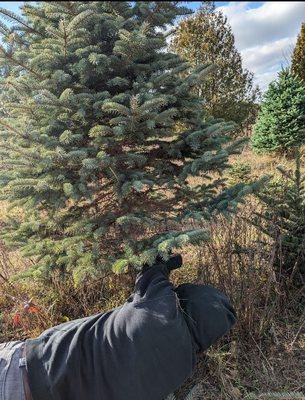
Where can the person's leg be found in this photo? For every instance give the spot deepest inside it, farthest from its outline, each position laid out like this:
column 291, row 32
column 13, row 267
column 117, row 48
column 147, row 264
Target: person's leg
column 11, row 383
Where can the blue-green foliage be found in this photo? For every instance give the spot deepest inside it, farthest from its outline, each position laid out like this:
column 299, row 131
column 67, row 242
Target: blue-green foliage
column 281, row 122
column 100, row 135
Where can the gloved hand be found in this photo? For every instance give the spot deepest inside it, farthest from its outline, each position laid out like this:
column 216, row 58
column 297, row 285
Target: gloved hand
column 174, row 262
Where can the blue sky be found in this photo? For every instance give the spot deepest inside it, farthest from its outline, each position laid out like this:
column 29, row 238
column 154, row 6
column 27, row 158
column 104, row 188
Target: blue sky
column 265, row 32
column 11, row 5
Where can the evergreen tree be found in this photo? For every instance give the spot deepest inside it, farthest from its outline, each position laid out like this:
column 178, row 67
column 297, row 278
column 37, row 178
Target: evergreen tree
column 281, row 120
column 100, row 135
column 207, row 38
column 298, row 56
column 283, row 219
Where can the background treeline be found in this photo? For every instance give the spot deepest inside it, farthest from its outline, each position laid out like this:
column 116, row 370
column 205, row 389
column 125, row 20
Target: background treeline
column 123, row 130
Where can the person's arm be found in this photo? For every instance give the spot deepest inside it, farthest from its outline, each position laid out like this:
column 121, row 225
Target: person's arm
column 153, row 281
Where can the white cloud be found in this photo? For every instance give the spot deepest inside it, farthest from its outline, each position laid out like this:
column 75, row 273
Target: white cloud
column 265, row 35
column 268, row 59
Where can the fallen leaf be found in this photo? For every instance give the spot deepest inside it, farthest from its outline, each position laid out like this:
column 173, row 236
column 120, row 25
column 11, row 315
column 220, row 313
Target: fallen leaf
column 16, row 319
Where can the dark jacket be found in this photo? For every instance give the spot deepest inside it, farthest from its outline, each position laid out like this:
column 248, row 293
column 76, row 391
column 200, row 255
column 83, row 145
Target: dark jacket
column 141, row 350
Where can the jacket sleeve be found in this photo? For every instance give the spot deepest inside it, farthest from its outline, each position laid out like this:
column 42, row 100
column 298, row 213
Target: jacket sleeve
column 147, row 338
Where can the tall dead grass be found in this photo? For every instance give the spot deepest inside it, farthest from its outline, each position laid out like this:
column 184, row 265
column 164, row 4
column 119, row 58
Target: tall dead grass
column 239, row 261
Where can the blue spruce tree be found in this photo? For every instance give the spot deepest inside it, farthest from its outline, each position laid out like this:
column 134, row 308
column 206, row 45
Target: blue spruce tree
column 100, row 136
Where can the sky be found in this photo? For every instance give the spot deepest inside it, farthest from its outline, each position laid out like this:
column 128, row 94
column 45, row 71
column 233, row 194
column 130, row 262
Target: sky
column 265, row 32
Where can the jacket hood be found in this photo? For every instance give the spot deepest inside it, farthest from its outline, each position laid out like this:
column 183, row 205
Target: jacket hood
column 207, row 312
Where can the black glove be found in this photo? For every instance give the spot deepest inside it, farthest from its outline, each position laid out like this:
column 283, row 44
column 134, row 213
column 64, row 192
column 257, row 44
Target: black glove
column 174, row 262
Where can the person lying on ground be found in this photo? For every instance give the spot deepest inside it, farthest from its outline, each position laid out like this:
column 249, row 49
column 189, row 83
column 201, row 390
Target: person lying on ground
column 144, row 349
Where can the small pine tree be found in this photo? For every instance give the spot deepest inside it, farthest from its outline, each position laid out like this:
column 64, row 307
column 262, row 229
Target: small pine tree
column 281, row 120
column 298, row 56
column 100, row 135
column 283, row 219
column 239, row 172
column 206, row 38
